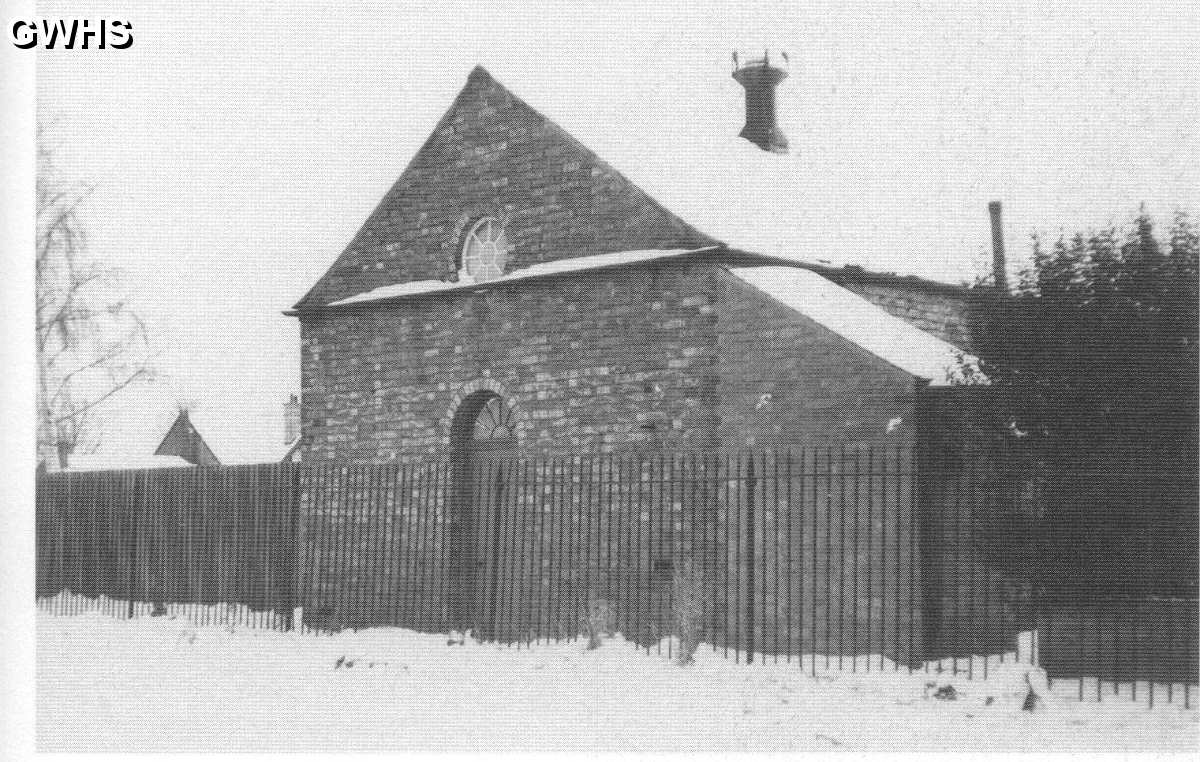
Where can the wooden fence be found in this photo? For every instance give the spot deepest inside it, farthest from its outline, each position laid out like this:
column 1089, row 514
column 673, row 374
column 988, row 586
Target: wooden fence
column 183, row 539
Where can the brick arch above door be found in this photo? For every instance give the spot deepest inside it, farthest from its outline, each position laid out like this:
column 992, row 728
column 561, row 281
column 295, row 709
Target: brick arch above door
column 445, row 423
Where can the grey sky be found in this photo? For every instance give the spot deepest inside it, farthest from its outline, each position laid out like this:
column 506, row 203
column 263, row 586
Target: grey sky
column 237, row 149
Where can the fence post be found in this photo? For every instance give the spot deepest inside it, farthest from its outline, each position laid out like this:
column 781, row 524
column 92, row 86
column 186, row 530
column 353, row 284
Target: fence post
column 751, row 548
column 293, row 617
column 135, row 524
column 927, row 517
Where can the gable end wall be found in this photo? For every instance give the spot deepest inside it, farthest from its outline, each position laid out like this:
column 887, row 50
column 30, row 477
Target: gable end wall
column 493, row 155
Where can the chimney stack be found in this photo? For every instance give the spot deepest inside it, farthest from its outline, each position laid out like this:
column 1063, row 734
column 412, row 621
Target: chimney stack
column 759, row 79
column 291, row 420
column 999, row 266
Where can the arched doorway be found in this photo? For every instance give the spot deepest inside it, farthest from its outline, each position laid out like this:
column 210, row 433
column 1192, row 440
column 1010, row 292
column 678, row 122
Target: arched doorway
column 482, row 436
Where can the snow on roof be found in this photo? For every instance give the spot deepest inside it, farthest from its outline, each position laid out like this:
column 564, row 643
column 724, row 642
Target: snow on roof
column 861, row 322
column 819, row 204
column 118, row 462
column 825, row 201
column 751, row 199
column 556, row 267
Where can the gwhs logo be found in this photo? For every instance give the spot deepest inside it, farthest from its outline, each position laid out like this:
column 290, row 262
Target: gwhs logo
column 72, row 34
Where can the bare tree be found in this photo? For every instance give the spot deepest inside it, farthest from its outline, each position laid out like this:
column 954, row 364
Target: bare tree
column 90, row 344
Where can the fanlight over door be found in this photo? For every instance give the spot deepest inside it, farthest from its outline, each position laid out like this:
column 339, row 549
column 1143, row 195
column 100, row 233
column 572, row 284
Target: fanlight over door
column 495, row 422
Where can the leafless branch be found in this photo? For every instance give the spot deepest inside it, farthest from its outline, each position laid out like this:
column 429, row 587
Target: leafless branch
column 83, row 408
column 91, row 345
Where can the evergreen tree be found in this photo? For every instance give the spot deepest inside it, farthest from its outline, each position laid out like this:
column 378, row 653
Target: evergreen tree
column 1100, row 337
column 1098, row 348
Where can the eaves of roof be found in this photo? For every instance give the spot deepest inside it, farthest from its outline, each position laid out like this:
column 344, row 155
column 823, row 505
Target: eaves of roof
column 715, row 254
column 856, row 274
column 545, row 271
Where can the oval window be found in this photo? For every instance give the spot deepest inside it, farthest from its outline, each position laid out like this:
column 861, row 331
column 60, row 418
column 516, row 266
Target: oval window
column 485, row 251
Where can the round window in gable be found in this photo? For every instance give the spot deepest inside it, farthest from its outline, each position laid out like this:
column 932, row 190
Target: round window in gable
column 485, row 251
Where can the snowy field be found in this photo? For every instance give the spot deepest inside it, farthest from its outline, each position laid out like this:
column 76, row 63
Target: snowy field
column 162, row 684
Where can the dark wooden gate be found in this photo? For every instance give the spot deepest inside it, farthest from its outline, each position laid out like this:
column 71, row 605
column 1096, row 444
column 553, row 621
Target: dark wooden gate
column 479, row 524
column 490, row 463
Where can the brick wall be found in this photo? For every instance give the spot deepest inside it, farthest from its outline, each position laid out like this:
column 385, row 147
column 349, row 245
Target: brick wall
column 673, row 355
column 591, row 362
column 493, row 155
column 822, row 388
column 940, row 312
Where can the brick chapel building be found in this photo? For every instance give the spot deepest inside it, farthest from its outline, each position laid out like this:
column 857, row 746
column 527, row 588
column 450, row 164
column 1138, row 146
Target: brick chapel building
column 513, row 293
column 513, row 286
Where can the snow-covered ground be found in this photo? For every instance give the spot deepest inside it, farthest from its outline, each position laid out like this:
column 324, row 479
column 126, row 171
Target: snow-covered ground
column 165, row 684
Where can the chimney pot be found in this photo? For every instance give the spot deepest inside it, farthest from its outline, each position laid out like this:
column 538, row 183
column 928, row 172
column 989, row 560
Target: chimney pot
column 759, row 78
